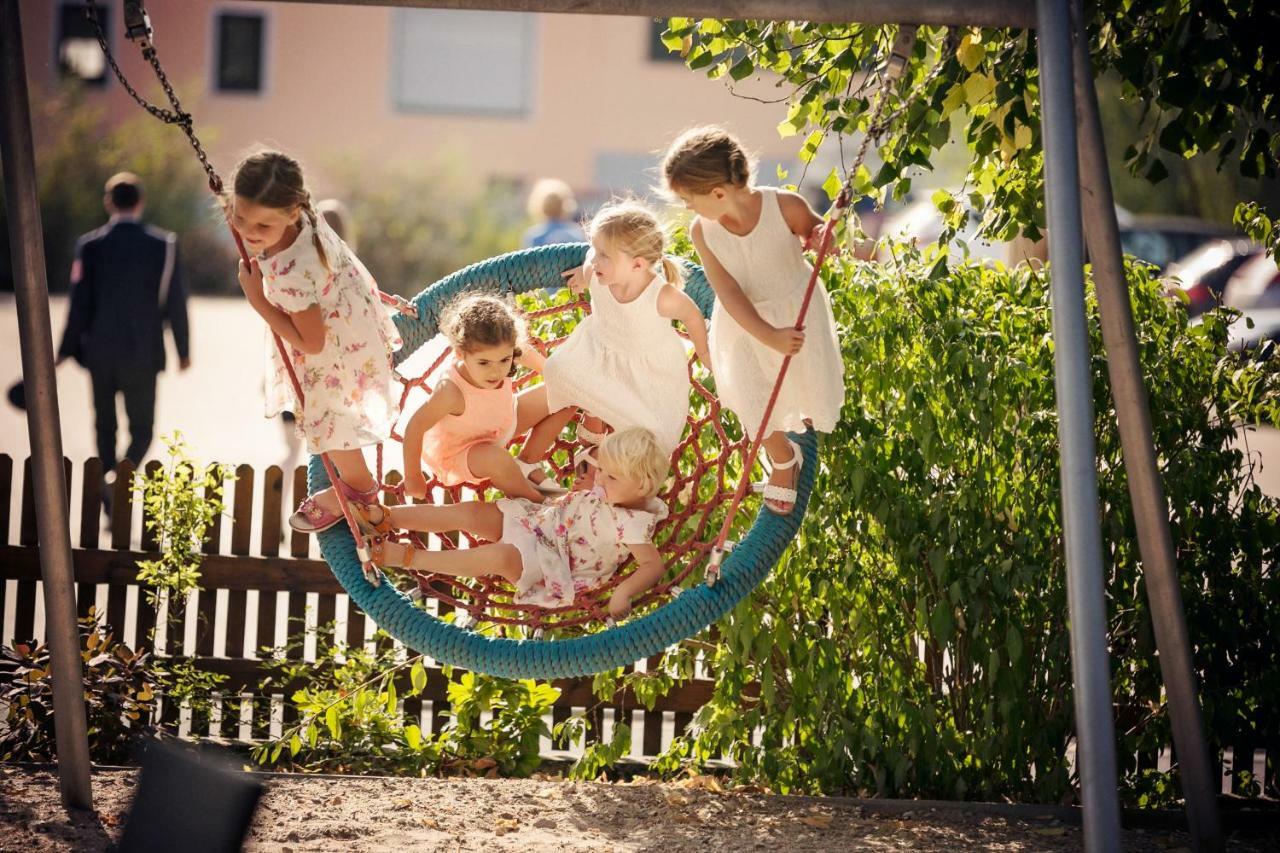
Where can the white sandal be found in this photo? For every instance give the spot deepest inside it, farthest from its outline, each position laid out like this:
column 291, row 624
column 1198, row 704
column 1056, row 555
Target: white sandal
column 548, row 485
column 781, row 495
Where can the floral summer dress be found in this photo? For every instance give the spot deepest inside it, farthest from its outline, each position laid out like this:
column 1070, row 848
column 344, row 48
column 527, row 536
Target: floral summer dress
column 347, row 385
column 573, row 543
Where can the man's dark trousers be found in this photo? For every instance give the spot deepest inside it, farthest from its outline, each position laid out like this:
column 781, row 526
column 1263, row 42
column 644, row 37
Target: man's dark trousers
column 139, row 391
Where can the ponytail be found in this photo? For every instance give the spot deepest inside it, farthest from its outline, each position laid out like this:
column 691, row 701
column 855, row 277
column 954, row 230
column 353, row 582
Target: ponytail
column 672, row 272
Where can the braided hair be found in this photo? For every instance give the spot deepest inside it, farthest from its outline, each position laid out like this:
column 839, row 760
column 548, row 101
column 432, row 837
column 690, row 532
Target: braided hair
column 274, row 179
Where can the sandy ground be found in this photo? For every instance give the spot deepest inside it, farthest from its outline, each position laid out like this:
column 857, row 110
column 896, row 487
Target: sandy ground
column 323, row 814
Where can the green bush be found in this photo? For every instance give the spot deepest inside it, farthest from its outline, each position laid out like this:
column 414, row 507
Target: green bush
column 119, row 691
column 914, row 640
column 351, row 720
column 73, row 164
column 416, row 224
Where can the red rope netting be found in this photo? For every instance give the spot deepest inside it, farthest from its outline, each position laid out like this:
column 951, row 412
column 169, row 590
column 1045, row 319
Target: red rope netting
column 705, row 469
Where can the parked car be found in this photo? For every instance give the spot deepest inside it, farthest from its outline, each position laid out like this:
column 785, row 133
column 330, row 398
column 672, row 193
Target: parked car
column 919, row 221
column 1256, row 332
column 1203, row 274
column 1255, row 285
column 1161, row 240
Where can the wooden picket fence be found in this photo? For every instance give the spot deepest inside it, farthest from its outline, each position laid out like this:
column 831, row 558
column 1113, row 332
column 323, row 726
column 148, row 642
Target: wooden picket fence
column 246, row 588
column 248, row 584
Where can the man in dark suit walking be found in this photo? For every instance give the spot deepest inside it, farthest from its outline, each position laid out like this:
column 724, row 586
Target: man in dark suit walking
column 125, row 286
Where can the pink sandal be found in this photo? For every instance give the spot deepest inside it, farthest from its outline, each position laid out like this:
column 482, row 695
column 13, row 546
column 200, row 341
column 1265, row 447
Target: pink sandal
column 310, row 517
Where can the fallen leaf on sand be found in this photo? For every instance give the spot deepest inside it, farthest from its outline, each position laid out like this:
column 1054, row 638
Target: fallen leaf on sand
column 402, row 804
column 430, row 823
column 817, row 821
column 504, row 825
column 705, row 783
column 675, row 798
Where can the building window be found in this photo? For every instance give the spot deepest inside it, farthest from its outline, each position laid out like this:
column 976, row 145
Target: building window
column 79, row 55
column 239, row 52
column 657, row 50
column 477, row 63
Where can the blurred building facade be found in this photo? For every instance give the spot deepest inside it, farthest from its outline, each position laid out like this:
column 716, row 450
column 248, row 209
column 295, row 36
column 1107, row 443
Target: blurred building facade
column 512, row 96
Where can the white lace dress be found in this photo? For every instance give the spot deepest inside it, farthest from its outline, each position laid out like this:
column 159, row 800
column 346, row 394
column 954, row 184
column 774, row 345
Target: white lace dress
column 625, row 364
column 771, row 269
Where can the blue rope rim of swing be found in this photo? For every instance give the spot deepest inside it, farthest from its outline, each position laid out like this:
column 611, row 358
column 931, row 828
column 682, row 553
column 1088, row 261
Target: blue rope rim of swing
column 552, row 657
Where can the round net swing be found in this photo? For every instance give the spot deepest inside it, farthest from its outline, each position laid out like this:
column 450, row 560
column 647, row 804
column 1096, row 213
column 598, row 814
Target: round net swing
column 527, row 641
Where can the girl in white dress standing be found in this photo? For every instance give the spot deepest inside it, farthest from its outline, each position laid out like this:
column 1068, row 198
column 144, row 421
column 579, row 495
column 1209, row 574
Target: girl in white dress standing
column 751, row 241
column 625, row 364
column 315, row 294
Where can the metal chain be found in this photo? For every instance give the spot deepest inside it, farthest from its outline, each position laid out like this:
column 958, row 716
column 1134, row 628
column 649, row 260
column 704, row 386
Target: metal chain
column 878, row 124
column 177, row 115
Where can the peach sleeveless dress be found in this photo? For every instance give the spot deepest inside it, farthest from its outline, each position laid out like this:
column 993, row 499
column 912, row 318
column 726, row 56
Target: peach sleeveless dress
column 488, row 417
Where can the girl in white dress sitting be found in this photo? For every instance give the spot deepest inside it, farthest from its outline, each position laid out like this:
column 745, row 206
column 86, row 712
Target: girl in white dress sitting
column 751, row 242
column 625, row 365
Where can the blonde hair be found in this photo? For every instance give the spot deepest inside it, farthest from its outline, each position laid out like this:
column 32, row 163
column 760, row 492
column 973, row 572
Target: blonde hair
column 274, row 179
column 477, row 320
column 634, row 454
column 704, row 158
column 552, row 198
column 628, row 226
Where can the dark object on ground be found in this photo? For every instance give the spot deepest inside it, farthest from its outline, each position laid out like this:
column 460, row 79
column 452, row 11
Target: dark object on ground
column 197, row 803
column 18, row 395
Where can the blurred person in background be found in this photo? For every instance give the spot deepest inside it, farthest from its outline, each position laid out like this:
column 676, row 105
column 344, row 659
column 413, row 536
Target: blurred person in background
column 125, row 287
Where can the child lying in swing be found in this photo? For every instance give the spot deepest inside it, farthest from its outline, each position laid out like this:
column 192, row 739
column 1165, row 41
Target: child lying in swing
column 553, row 551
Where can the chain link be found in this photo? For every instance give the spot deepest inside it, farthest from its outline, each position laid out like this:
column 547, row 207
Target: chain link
column 177, row 115
column 879, row 124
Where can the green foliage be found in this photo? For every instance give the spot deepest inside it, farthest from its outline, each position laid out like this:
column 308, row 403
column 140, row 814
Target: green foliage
column 119, row 691
column 79, row 150
column 1254, row 221
column 180, row 501
column 913, row 642
column 418, row 222
column 351, row 718
column 1201, row 82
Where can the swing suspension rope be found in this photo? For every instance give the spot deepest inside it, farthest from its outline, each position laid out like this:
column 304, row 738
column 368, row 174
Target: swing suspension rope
column 492, row 601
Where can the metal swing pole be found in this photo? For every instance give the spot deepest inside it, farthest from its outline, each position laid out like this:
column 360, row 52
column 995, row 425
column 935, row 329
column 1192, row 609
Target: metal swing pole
column 1146, row 490
column 1095, row 730
column 32, row 292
